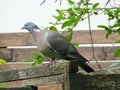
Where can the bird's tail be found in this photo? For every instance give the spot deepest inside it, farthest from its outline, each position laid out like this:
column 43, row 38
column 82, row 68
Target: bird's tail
column 82, row 63
column 85, row 67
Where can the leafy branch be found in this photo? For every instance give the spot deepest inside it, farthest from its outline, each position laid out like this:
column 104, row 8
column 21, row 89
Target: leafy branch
column 3, row 85
column 68, row 19
column 78, row 11
column 38, row 58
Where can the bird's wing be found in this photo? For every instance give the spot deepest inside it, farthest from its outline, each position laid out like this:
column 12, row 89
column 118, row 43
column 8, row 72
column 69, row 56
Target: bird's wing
column 67, row 50
column 63, row 46
column 58, row 42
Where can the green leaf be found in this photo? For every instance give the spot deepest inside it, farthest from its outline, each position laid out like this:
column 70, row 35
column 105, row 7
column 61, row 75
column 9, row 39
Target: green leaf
column 95, row 5
column 67, row 23
column 59, row 17
column 96, row 13
column 2, row 61
column 69, row 37
column 69, row 10
column 102, row 26
column 34, row 62
column 50, row 22
column 117, row 53
column 75, row 44
column 3, row 85
column 108, row 29
column 115, row 64
column 37, row 56
column 117, row 41
column 70, row 30
column 53, row 28
column 78, row 9
column 109, row 32
column 70, row 2
column 35, row 53
column 116, row 25
column 43, row 59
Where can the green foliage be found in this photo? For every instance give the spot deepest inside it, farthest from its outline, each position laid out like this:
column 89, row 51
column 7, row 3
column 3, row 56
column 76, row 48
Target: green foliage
column 2, row 61
column 38, row 58
column 67, row 23
column 117, row 53
column 94, row 6
column 115, row 65
column 3, row 85
column 68, row 19
column 71, row 2
column 75, row 44
column 113, row 26
column 107, row 28
column 53, row 28
column 113, row 16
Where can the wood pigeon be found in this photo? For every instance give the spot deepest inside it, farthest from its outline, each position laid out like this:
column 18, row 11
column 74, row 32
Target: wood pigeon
column 56, row 46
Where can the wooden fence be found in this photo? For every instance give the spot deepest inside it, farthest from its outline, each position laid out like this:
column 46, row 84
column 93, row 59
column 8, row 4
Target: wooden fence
column 82, row 37
column 43, row 77
column 17, row 47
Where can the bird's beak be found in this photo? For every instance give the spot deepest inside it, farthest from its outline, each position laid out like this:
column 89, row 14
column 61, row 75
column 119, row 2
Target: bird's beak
column 23, row 28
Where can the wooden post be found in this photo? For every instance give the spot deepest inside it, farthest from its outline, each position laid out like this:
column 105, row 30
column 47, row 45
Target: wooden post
column 57, row 73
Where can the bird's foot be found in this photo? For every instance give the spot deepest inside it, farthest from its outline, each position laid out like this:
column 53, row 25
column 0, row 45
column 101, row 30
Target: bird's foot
column 52, row 61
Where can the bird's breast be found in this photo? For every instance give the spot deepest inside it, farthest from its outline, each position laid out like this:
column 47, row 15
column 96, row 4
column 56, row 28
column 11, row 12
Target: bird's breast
column 43, row 45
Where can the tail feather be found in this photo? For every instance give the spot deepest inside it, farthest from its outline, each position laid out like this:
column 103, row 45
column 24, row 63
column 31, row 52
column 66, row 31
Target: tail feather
column 85, row 67
column 82, row 63
column 74, row 55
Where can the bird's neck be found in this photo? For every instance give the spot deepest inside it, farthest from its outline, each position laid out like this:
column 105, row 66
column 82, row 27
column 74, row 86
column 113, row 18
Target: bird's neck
column 31, row 30
column 37, row 32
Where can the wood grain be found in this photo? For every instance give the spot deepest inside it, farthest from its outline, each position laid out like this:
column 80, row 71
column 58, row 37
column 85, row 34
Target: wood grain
column 26, row 39
column 82, row 37
column 16, row 39
column 15, row 55
column 98, row 36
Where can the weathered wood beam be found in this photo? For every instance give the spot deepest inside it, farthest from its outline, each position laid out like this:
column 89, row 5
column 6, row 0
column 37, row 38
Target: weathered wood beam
column 26, row 39
column 101, row 53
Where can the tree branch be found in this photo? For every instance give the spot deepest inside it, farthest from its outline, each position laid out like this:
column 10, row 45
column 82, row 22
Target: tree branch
column 42, row 2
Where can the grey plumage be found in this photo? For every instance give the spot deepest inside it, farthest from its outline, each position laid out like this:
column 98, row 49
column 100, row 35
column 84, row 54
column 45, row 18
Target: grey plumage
column 54, row 45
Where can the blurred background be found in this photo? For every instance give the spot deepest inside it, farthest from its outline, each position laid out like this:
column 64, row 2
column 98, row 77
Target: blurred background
column 14, row 13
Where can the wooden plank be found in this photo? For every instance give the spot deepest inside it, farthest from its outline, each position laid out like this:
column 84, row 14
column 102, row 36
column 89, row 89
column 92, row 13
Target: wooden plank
column 14, row 84
column 16, row 39
column 50, row 87
column 101, row 53
column 25, row 39
column 100, row 80
column 97, row 35
column 19, row 88
column 32, row 76
column 20, row 65
column 35, row 72
column 17, row 54
column 56, row 79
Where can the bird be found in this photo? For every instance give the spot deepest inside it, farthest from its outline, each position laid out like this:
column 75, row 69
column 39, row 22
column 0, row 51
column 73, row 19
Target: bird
column 55, row 46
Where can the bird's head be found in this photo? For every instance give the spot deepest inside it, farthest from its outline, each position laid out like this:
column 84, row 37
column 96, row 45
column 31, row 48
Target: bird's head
column 30, row 26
